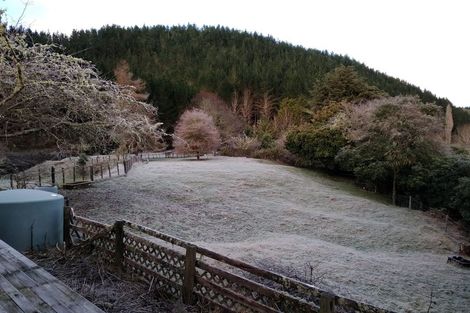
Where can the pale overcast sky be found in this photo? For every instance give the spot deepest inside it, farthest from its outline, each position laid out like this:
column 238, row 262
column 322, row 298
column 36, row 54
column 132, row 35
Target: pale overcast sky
column 426, row 43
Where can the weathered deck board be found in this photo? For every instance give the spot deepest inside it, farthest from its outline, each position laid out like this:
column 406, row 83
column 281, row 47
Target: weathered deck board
column 26, row 287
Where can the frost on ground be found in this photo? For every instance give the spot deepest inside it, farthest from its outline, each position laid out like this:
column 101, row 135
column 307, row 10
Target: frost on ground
column 270, row 214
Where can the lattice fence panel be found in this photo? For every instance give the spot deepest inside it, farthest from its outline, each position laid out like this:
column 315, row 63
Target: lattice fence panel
column 240, row 294
column 159, row 265
column 101, row 235
column 160, row 261
column 226, row 303
column 216, row 296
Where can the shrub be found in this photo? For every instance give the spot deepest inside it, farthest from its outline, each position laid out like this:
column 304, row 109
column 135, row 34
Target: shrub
column 82, row 159
column 461, row 198
column 264, row 132
column 324, row 114
column 241, row 146
column 267, row 141
column 196, row 133
column 291, row 113
column 317, row 146
column 277, row 153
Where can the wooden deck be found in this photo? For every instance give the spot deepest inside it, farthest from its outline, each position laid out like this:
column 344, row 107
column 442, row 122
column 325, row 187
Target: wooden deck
column 26, row 287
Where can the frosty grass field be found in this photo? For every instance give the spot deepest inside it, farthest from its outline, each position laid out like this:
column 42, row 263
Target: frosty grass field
column 288, row 219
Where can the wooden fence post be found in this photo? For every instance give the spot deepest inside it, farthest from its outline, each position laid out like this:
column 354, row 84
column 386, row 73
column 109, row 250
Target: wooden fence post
column 101, row 170
column 11, row 181
column 125, row 167
column 39, row 174
column 117, row 165
column 91, row 173
column 119, row 244
column 52, row 176
column 63, row 176
column 67, row 220
column 327, row 303
column 74, row 172
column 189, row 274
column 109, row 170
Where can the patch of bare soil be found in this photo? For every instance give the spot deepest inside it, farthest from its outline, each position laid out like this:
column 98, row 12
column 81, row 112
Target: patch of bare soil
column 293, row 220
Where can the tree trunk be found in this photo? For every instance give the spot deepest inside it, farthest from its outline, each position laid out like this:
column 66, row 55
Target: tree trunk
column 394, row 187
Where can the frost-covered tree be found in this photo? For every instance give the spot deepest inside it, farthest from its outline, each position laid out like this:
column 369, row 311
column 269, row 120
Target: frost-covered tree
column 51, row 99
column 391, row 134
column 196, row 133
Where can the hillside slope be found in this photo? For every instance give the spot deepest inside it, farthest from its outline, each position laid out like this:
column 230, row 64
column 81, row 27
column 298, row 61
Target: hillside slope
column 177, row 62
column 288, row 219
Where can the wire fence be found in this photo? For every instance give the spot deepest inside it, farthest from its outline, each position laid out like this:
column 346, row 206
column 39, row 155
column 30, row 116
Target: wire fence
column 69, row 173
column 410, row 202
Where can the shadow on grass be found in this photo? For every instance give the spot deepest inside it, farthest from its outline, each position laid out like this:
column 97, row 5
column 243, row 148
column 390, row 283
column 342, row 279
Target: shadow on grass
column 341, row 183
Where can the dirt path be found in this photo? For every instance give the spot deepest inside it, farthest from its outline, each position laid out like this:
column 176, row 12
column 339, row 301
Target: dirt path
column 288, row 218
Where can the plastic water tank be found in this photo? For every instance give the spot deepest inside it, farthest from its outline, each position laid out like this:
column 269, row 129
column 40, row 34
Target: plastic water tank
column 31, row 219
column 53, row 189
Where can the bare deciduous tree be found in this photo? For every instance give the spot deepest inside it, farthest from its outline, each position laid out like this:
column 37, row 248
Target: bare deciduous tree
column 196, row 133
column 54, row 99
column 228, row 123
column 265, row 105
column 246, row 108
column 124, row 77
column 234, row 103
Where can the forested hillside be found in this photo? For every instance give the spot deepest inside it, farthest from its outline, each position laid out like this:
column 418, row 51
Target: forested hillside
column 273, row 100
column 177, row 62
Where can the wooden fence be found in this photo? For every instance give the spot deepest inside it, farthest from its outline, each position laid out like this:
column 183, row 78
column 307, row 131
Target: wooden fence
column 166, row 155
column 98, row 168
column 197, row 275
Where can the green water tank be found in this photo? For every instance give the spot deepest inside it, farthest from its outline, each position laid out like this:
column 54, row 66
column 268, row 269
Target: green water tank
column 31, row 219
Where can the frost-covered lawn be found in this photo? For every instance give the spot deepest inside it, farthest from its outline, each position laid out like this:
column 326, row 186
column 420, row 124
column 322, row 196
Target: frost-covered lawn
column 283, row 217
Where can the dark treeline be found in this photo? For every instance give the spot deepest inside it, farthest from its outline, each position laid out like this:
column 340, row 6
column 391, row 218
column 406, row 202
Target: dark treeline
column 177, row 62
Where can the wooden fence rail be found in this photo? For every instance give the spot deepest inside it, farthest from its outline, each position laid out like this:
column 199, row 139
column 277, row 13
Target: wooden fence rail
column 166, row 155
column 195, row 274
